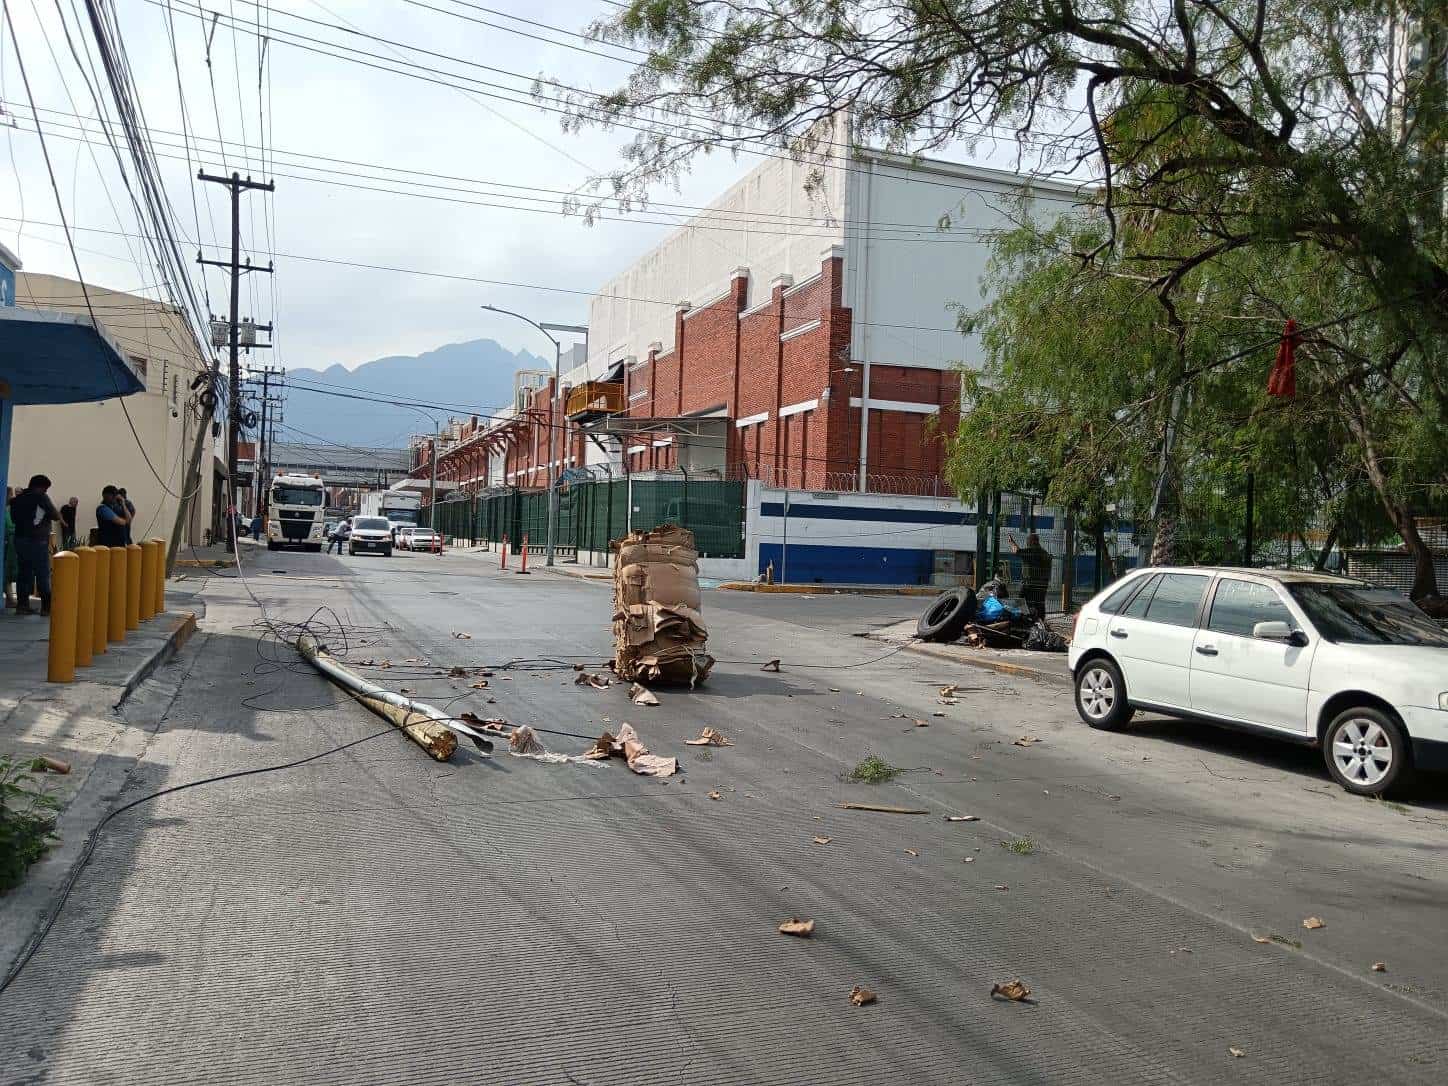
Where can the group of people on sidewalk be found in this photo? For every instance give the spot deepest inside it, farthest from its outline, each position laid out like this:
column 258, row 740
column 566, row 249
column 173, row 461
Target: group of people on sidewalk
column 31, row 522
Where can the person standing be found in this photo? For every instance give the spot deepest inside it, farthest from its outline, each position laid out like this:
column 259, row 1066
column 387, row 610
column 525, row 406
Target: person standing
column 33, row 513
column 130, row 510
column 112, row 524
column 68, row 539
column 1035, row 572
column 12, row 564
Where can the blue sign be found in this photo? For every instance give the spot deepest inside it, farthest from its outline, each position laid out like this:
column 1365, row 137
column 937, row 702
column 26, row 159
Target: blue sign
column 7, row 285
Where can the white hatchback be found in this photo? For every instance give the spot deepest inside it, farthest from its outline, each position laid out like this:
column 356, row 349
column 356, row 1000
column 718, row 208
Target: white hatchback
column 1312, row 658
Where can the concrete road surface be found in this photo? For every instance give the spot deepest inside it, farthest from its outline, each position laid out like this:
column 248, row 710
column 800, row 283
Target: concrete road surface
column 371, row 916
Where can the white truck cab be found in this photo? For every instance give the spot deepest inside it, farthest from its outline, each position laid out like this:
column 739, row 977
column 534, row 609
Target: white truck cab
column 296, row 512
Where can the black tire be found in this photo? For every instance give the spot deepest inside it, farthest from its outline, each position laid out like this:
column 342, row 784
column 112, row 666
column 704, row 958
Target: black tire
column 945, row 618
column 352, row 552
column 1101, row 695
column 387, row 553
column 271, row 544
column 1367, row 751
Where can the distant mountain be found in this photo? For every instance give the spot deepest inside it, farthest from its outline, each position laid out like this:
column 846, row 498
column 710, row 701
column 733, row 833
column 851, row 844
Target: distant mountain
column 476, row 375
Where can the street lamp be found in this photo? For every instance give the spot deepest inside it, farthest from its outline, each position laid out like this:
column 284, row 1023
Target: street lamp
column 436, row 441
column 546, row 328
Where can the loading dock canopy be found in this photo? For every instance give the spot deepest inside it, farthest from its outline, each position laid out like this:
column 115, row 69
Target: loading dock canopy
column 49, row 358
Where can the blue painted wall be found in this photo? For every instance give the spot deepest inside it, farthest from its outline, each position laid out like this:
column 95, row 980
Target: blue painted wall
column 848, row 565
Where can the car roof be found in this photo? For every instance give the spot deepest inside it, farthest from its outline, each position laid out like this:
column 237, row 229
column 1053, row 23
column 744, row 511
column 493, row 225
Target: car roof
column 1282, row 576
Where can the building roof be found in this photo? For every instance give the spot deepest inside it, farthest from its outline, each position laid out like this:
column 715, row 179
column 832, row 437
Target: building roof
column 58, row 358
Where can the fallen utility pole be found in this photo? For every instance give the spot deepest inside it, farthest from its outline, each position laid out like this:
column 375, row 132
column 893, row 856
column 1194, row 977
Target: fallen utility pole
column 433, row 730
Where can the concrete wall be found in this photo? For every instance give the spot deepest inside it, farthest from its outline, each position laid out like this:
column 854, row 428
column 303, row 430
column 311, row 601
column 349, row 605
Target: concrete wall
column 82, row 447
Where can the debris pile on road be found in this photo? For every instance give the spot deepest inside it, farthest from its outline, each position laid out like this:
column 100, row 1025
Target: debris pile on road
column 985, row 620
column 658, row 630
column 628, row 746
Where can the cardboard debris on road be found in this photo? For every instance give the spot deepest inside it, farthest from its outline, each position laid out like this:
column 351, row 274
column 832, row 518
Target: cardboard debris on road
column 658, row 629
column 640, row 695
column 948, row 691
column 709, row 738
column 802, row 929
column 1028, row 741
column 1380, row 967
column 1012, row 990
column 1312, row 923
column 773, row 665
column 822, row 840
column 1260, row 938
column 481, row 684
column 880, row 809
column 588, row 678
column 861, row 997
column 1236, row 1052
column 628, row 746
column 462, row 636
column 524, row 741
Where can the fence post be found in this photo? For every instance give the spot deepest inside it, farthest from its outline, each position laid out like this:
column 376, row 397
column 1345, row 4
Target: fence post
column 784, row 543
column 995, row 531
column 1068, row 564
column 1247, row 545
column 684, row 511
column 1099, row 574
column 982, row 552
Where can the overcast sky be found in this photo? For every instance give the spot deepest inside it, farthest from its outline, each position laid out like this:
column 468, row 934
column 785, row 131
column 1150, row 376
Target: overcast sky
column 330, row 313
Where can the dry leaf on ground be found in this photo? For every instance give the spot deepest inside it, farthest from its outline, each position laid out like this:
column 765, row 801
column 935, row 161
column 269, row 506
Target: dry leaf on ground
column 795, row 926
column 587, row 678
column 715, row 795
column 947, row 701
column 1380, row 967
column 861, row 997
column 1261, row 938
column 641, row 695
column 1013, row 990
column 773, row 665
column 970, row 859
column 937, row 713
column 709, row 738
column 481, row 684
column 1002, row 886
column 462, row 636
column 921, row 723
column 911, row 852
column 948, row 691
column 1236, row 1052
column 823, row 840
column 1312, row 923
column 1028, row 741
column 962, row 818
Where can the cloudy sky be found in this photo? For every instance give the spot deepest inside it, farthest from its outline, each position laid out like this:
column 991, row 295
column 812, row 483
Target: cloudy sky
column 311, row 106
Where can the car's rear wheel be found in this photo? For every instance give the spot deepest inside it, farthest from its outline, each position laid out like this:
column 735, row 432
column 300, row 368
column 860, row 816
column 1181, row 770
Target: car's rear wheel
column 1366, row 751
column 1101, row 695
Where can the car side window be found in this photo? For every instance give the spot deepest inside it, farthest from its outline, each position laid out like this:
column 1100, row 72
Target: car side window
column 1137, row 607
column 1237, row 606
column 1114, row 602
column 1176, row 599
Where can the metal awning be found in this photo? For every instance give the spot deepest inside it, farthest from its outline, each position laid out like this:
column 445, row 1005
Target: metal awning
column 683, row 425
column 49, row 358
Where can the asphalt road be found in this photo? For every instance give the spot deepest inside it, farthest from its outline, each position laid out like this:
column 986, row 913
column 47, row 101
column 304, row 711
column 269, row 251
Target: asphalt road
column 372, row 916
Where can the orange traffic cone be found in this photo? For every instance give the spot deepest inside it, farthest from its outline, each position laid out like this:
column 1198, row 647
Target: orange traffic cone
column 525, row 554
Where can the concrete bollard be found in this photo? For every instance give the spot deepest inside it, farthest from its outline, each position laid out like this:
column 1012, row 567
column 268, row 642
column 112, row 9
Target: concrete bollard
column 85, row 605
column 148, row 585
column 133, row 586
column 100, row 621
column 116, row 608
column 160, row 602
column 64, row 589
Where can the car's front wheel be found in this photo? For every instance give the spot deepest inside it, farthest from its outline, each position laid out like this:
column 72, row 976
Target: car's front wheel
column 1101, row 695
column 1366, row 751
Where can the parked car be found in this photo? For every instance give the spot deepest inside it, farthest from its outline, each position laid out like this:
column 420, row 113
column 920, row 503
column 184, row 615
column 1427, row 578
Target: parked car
column 370, row 535
column 423, row 539
column 1326, row 661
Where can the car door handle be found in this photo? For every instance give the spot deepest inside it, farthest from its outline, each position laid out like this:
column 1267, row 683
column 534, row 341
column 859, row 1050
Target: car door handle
column 1207, row 650
column 1118, row 633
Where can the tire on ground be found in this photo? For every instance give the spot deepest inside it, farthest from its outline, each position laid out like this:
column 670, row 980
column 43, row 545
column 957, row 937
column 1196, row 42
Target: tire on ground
column 945, row 618
column 1367, row 728
column 1101, row 695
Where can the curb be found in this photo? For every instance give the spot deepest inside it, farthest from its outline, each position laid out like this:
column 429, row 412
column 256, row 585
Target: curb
column 1003, row 667
column 174, row 641
column 576, row 576
column 830, row 589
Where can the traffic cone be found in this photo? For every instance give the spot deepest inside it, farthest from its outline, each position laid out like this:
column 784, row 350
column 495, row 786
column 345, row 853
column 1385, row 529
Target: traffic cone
column 504, row 563
column 525, row 554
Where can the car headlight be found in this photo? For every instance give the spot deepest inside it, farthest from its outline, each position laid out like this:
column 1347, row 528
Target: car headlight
column 1443, row 701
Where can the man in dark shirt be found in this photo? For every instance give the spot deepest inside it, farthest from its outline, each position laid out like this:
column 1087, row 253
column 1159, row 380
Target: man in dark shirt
column 67, row 524
column 33, row 513
column 128, row 507
column 1035, row 572
column 111, row 520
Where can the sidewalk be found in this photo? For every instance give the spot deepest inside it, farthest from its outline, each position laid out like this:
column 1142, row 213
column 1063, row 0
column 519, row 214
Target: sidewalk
column 76, row 723
column 1043, row 666
column 215, row 554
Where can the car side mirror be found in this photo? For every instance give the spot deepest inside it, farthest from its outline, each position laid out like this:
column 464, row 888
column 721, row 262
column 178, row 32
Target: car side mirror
column 1279, row 631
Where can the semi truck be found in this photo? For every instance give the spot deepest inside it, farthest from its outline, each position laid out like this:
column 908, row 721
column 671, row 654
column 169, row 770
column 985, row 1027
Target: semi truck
column 296, row 511
column 397, row 505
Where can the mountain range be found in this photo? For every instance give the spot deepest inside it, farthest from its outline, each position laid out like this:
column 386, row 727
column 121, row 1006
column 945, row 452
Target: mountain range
column 338, row 405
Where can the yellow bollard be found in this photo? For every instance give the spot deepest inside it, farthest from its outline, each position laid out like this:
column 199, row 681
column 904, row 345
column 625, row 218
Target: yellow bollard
column 85, row 605
column 160, row 575
column 64, row 587
column 99, row 621
column 116, row 611
column 133, row 586
column 148, row 583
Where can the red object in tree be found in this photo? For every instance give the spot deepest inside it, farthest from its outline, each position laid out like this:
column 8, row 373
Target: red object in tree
column 1283, row 380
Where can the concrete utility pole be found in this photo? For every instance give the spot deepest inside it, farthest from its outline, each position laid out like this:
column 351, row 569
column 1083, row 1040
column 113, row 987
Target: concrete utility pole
column 558, row 423
column 236, row 184
column 271, row 376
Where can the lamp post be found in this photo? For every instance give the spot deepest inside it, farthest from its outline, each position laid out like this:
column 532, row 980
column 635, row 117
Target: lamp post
column 432, row 459
column 546, row 327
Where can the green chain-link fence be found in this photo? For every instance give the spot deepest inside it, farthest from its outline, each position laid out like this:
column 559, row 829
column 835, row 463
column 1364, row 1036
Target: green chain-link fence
column 592, row 514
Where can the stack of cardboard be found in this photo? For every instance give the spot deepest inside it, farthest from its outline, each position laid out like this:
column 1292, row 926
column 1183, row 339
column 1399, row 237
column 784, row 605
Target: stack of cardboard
column 658, row 632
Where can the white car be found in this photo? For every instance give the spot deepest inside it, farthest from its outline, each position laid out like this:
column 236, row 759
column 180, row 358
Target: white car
column 1312, row 658
column 419, row 539
column 370, row 534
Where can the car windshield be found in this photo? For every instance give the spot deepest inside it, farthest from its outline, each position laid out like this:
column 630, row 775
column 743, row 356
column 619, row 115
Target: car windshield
column 1366, row 616
column 371, row 524
column 296, row 495
column 402, row 516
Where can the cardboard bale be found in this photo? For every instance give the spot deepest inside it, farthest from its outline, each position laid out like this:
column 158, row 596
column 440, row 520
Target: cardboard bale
column 658, row 629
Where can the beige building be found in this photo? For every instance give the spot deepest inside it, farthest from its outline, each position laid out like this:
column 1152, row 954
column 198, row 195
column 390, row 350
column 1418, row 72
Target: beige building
column 84, row 446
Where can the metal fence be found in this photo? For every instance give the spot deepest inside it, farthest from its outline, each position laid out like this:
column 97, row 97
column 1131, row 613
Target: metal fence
column 593, row 513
